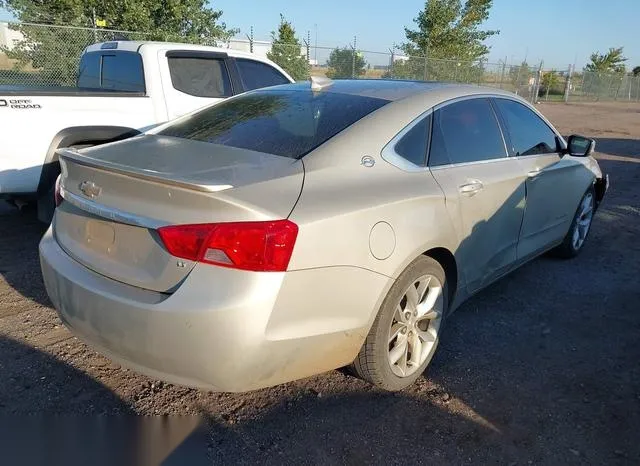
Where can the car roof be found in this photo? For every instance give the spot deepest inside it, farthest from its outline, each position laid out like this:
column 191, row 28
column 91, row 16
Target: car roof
column 394, row 89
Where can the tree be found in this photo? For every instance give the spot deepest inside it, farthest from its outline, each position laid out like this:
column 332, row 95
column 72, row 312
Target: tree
column 285, row 51
column 449, row 29
column 550, row 84
column 346, row 63
column 609, row 62
column 56, row 51
column 636, row 71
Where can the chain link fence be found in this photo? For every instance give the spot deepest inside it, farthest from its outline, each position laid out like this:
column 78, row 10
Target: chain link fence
column 45, row 55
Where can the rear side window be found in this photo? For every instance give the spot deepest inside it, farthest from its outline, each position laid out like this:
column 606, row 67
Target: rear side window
column 465, row 131
column 200, row 76
column 111, row 71
column 255, row 74
column 413, row 145
column 529, row 134
column 289, row 123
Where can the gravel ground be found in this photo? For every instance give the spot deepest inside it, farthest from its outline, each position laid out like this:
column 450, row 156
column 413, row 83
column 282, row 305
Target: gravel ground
column 542, row 367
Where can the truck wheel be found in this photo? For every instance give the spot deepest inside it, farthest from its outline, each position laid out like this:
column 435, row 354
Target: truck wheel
column 406, row 331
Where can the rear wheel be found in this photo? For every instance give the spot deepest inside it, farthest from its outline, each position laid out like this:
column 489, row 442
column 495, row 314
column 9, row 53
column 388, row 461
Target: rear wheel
column 406, row 331
column 580, row 227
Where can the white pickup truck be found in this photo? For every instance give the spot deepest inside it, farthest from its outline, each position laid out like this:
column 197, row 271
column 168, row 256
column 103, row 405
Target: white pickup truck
column 122, row 89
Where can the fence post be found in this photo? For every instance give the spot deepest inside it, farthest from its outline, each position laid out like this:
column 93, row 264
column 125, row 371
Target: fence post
column 567, row 85
column 536, row 86
column 391, row 62
column 425, row 74
column 638, row 91
column 504, row 67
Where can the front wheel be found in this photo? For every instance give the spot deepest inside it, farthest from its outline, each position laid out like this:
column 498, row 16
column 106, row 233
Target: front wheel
column 580, row 227
column 406, row 331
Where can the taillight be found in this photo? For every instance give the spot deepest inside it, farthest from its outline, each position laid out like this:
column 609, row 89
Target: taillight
column 258, row 246
column 56, row 192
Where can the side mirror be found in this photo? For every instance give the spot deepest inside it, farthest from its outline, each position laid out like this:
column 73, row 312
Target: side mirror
column 579, row 146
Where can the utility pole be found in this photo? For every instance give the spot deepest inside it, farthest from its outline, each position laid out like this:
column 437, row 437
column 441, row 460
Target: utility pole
column 315, row 52
column 95, row 31
column 353, row 57
column 308, row 44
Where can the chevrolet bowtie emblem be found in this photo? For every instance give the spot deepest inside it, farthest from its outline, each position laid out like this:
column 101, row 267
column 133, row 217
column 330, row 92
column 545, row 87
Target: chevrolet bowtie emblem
column 90, row 189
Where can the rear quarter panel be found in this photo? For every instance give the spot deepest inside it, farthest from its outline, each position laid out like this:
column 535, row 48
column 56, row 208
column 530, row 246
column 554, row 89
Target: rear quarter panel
column 342, row 200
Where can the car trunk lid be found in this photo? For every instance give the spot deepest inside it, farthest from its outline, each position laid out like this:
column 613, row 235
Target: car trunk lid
column 116, row 196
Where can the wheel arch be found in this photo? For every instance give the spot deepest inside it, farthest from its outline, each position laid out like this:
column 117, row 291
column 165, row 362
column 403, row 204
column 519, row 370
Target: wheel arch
column 91, row 135
column 448, row 262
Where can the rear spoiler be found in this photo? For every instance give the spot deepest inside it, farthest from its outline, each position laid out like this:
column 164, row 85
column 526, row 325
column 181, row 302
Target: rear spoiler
column 71, row 155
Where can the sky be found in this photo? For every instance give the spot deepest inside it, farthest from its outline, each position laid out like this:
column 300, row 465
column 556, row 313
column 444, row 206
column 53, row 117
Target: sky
column 558, row 32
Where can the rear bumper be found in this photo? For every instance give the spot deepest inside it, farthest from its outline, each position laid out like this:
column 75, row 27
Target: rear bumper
column 223, row 329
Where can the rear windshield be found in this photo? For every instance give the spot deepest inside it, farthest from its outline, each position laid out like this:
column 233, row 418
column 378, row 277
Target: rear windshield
column 289, row 123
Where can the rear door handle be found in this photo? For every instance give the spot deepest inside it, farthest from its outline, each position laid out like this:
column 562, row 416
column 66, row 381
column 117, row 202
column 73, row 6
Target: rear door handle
column 470, row 188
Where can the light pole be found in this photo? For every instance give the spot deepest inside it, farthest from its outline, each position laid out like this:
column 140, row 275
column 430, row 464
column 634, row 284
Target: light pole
column 315, row 51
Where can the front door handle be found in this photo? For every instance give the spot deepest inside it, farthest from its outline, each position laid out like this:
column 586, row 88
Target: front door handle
column 534, row 173
column 471, row 187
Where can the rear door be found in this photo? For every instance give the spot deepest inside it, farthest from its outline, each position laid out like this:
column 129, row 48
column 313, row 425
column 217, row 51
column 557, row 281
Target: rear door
column 483, row 187
column 194, row 79
column 554, row 184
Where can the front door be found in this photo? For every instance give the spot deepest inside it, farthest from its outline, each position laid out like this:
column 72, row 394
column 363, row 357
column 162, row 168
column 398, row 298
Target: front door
column 551, row 190
column 484, row 188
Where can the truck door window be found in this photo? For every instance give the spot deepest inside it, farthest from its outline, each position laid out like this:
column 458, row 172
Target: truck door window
column 200, row 77
column 255, row 74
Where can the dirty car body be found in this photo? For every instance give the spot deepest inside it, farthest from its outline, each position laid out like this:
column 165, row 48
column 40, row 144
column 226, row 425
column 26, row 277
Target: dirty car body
column 253, row 242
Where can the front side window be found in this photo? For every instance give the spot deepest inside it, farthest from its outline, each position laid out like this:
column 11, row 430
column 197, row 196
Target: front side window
column 529, row 134
column 255, row 74
column 465, row 131
column 289, row 123
column 200, row 76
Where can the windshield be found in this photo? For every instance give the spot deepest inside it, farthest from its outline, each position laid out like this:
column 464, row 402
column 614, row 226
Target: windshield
column 289, row 123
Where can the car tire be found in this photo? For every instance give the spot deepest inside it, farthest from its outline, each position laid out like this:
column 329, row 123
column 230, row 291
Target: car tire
column 575, row 238
column 404, row 329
